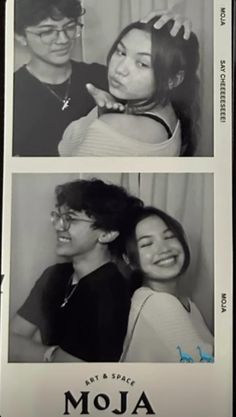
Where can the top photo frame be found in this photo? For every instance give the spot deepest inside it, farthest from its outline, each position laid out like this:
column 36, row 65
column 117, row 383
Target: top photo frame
column 85, row 85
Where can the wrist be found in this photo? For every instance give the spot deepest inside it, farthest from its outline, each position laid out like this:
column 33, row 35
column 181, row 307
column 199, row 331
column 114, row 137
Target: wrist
column 50, row 353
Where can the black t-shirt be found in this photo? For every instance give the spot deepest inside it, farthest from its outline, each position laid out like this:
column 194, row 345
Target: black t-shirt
column 38, row 119
column 92, row 325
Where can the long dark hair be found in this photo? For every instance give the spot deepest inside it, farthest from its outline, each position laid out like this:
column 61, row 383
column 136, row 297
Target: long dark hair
column 170, row 55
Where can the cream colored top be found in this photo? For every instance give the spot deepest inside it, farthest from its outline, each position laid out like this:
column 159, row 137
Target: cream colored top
column 90, row 136
column 160, row 329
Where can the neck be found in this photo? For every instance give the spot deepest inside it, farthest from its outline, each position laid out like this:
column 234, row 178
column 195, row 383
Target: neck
column 87, row 263
column 170, row 287
column 48, row 73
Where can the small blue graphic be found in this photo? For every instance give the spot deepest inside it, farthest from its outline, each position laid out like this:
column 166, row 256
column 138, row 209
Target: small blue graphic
column 184, row 357
column 204, row 356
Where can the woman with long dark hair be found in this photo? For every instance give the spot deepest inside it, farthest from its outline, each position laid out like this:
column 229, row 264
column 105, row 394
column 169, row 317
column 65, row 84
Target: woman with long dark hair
column 164, row 325
column 154, row 76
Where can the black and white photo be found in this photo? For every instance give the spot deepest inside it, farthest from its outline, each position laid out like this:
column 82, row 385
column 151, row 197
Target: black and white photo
column 85, row 85
column 113, row 245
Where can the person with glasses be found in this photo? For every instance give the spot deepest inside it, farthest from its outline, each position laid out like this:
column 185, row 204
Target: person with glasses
column 78, row 310
column 50, row 90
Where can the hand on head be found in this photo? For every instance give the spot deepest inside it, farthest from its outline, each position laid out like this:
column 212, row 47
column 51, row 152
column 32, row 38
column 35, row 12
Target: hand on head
column 167, row 15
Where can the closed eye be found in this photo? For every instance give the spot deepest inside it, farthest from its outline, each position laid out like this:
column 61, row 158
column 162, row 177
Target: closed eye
column 141, row 64
column 120, row 51
column 145, row 244
column 169, row 235
column 69, row 218
column 47, row 32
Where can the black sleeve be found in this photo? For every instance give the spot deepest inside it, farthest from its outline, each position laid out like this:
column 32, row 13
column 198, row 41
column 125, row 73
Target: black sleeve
column 32, row 310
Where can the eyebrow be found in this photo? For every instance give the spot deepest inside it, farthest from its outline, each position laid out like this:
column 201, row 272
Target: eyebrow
column 150, row 236
column 137, row 53
column 144, row 237
column 51, row 26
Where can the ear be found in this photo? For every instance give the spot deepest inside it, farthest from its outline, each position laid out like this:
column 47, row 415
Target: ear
column 177, row 80
column 21, row 39
column 127, row 261
column 107, row 237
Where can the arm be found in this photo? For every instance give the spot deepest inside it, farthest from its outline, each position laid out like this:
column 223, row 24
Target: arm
column 25, row 344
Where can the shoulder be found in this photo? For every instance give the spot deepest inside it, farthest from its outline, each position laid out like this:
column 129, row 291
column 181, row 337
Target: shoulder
column 90, row 72
column 22, row 79
column 109, row 280
column 57, row 272
column 20, row 72
column 137, row 127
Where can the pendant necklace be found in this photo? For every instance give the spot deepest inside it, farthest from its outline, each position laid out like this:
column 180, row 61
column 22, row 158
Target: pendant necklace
column 65, row 101
column 69, row 292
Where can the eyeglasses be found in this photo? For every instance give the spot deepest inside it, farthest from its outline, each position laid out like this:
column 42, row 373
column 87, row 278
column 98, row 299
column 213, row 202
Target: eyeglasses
column 49, row 36
column 66, row 219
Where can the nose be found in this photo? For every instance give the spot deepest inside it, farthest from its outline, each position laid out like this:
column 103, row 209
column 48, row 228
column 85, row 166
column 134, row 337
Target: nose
column 62, row 37
column 161, row 247
column 123, row 67
column 59, row 225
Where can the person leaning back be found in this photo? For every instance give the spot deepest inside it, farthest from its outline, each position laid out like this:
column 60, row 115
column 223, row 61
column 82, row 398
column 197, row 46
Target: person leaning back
column 79, row 310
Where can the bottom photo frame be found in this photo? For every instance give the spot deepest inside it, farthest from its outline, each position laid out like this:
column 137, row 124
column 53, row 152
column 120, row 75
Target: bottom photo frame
column 111, row 296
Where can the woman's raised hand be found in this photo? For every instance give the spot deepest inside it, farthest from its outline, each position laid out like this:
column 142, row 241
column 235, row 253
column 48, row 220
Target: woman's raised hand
column 103, row 99
column 167, row 15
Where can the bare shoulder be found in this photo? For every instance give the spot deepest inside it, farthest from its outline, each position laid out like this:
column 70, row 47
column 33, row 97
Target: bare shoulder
column 137, row 127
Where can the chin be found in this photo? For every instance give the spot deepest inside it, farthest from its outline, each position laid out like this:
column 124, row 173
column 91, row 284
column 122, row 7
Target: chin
column 118, row 94
column 61, row 61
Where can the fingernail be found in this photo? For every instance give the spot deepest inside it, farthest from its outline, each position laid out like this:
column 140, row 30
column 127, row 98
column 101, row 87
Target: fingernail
column 173, row 32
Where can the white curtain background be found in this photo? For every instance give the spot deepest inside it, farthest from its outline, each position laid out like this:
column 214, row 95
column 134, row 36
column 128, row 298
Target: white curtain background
column 105, row 18
column 187, row 197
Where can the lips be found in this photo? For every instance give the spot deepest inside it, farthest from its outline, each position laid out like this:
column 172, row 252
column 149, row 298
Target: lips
column 63, row 51
column 63, row 239
column 114, row 82
column 166, row 261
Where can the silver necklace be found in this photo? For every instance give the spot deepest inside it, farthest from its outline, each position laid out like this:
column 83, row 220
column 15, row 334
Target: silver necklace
column 64, row 100
column 69, row 293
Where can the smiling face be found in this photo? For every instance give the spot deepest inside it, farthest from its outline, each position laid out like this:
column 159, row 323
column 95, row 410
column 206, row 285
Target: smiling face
column 80, row 239
column 130, row 73
column 55, row 53
column 161, row 255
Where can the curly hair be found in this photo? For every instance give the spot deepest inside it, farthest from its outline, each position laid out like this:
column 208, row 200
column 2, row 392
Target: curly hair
column 109, row 205
column 32, row 12
column 170, row 55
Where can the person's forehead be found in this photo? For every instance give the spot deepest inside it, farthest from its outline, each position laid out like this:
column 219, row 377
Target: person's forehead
column 150, row 225
column 49, row 22
column 138, row 41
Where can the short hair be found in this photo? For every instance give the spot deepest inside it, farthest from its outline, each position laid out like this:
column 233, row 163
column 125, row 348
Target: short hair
column 109, row 205
column 171, row 54
column 32, row 12
column 130, row 239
